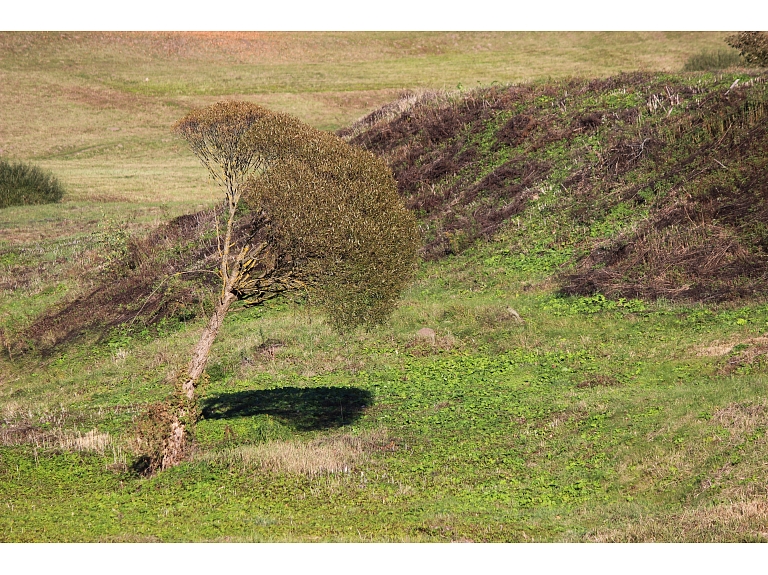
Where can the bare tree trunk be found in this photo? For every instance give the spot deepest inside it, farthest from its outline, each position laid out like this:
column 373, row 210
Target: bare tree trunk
column 203, row 347
column 176, row 446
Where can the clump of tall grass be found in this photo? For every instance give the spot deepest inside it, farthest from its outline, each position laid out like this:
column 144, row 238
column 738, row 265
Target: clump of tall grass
column 324, row 455
column 712, row 60
column 23, row 184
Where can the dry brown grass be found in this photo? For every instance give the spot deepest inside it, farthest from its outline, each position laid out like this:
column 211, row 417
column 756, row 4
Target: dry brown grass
column 96, row 107
column 755, row 355
column 741, row 418
column 725, row 522
column 26, row 434
column 427, row 342
column 674, row 454
column 715, row 349
column 498, row 315
column 327, row 455
column 55, row 430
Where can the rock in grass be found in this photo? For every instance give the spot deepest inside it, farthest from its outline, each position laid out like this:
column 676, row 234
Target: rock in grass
column 512, row 313
column 426, row 334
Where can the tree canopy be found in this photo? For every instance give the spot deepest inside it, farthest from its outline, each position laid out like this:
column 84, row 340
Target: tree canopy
column 336, row 211
column 323, row 217
column 753, row 47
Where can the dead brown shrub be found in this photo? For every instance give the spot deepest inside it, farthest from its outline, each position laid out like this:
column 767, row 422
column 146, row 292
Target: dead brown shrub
column 515, row 130
column 151, row 433
column 140, row 287
column 430, row 150
column 705, row 237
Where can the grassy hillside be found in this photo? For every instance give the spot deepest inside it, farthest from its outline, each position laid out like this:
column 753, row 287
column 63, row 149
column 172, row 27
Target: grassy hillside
column 565, row 396
column 654, row 184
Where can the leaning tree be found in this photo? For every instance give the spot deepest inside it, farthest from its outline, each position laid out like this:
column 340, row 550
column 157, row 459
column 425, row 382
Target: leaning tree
column 318, row 217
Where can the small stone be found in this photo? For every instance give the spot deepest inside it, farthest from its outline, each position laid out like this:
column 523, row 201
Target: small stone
column 427, row 334
column 513, row 313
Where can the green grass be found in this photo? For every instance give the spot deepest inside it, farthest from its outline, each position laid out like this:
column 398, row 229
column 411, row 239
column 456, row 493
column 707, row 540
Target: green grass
column 592, row 419
column 565, row 427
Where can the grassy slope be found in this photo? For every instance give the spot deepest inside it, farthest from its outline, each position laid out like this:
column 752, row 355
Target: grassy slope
column 655, row 182
column 590, row 420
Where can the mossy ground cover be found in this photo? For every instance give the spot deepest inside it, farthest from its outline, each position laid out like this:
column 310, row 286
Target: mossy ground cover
column 527, row 415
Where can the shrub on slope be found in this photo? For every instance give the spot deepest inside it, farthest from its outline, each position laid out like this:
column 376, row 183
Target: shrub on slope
column 153, row 278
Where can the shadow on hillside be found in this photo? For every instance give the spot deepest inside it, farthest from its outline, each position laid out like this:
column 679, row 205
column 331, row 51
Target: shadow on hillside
column 303, row 408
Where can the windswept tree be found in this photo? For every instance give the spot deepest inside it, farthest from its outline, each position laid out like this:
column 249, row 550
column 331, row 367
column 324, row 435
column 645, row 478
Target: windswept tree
column 318, row 217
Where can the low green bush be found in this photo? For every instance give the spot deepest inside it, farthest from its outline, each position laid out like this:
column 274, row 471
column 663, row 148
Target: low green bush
column 712, row 60
column 23, row 184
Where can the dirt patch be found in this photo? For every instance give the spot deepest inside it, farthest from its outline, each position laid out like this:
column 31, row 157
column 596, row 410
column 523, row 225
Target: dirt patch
column 750, row 355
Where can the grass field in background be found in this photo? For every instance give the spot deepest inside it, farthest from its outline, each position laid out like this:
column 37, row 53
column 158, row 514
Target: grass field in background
column 96, row 108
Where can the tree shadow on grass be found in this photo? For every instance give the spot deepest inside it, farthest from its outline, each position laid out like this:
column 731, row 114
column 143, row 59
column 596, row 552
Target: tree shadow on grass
column 303, row 408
